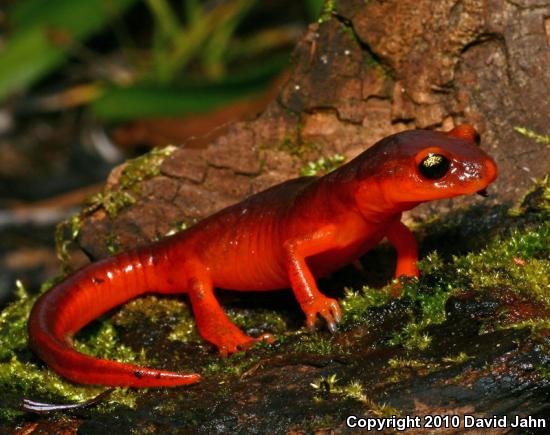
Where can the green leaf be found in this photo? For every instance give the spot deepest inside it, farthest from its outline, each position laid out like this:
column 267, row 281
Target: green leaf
column 314, row 8
column 119, row 104
column 141, row 101
column 44, row 33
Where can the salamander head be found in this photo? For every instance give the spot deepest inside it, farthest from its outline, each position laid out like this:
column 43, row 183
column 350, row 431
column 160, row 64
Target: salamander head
column 421, row 165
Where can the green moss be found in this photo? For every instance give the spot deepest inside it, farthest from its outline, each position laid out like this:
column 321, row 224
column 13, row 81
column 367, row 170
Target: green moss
column 540, row 138
column 10, row 414
column 355, row 391
column 373, row 63
column 185, row 331
column 535, row 325
column 236, row 364
column 112, row 199
column 155, row 310
column 267, row 320
column 426, row 297
column 347, row 29
column 431, row 296
column 323, row 165
column 13, row 320
column 536, row 199
column 356, row 304
column 13, row 324
column 178, row 227
column 34, row 380
column 462, row 357
column 296, row 148
column 144, row 167
column 329, row 8
column 400, row 363
column 288, row 145
column 112, row 243
column 314, row 343
column 430, row 293
column 326, row 386
column 321, row 425
column 543, row 372
column 19, row 374
column 406, row 368
column 104, row 343
column 520, row 261
column 29, row 378
column 412, row 337
column 66, row 233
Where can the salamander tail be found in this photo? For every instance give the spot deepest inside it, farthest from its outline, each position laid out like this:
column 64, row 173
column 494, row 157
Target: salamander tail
column 90, row 292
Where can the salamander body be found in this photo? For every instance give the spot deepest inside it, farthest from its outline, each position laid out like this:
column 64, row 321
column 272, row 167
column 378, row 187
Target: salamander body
column 285, row 236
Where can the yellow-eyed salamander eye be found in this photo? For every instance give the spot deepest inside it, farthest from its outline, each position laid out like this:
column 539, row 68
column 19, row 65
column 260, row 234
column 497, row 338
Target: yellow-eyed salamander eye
column 434, row 166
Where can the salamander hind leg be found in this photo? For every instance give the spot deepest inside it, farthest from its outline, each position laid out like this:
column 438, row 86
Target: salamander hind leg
column 213, row 324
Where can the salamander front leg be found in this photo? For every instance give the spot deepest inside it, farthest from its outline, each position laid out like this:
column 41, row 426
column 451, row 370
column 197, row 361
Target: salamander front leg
column 212, row 322
column 312, row 301
column 407, row 251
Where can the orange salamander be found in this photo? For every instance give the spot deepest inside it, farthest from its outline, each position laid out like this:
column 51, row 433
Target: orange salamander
column 285, row 236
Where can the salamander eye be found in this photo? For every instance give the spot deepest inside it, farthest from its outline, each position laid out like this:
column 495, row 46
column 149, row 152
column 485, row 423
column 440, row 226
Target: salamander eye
column 434, row 166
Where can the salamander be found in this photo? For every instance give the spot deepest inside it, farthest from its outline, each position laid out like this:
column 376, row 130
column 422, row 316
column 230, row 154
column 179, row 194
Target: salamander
column 286, row 236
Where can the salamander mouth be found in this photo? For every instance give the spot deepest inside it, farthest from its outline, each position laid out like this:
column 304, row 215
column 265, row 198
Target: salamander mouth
column 483, row 192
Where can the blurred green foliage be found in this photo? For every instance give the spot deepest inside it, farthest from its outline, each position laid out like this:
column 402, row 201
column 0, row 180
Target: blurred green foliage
column 148, row 99
column 188, row 63
column 43, row 34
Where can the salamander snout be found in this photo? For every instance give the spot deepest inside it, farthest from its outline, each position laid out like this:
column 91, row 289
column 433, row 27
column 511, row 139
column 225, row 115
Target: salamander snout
column 489, row 175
